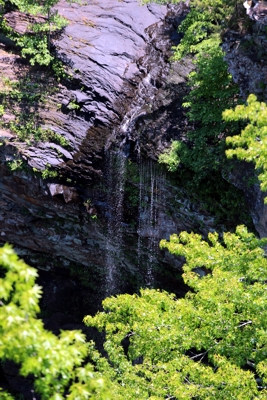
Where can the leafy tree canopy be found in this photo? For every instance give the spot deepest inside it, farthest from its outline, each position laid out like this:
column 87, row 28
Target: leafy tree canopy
column 56, row 363
column 210, row 345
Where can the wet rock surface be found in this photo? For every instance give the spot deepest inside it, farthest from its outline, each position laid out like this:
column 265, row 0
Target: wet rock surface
column 125, row 95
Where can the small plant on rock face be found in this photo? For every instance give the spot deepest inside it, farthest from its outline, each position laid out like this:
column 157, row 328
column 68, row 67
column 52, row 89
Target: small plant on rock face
column 35, row 44
column 73, row 105
column 170, row 156
column 48, row 173
column 15, row 165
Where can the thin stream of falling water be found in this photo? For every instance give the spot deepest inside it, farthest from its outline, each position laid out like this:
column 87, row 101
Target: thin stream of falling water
column 116, row 166
column 151, row 196
column 152, row 226
column 140, row 208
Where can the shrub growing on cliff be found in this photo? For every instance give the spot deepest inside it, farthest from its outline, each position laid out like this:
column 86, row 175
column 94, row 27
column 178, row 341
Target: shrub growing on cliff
column 35, row 44
column 201, row 155
column 199, row 162
column 212, row 91
column 204, row 22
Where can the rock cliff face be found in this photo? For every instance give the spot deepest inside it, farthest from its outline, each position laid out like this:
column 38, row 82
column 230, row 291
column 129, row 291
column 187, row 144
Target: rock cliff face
column 102, row 217
column 124, row 100
column 117, row 53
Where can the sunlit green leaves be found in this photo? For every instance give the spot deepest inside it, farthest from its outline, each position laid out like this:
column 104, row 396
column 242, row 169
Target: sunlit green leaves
column 54, row 362
column 251, row 144
column 212, row 91
column 36, row 44
column 203, row 23
column 202, row 346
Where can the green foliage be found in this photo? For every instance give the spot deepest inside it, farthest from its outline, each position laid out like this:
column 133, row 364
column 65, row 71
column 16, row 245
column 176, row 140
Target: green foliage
column 35, row 44
column 199, row 162
column 59, row 70
column 251, row 144
column 24, row 98
column 212, row 91
column 170, row 156
column 36, row 48
column 210, row 345
column 212, row 87
column 2, row 110
column 204, row 22
column 15, row 165
column 57, row 364
column 73, row 105
column 55, row 137
column 197, row 28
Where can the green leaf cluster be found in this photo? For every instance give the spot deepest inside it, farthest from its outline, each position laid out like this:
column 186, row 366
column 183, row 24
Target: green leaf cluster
column 199, row 159
column 36, row 44
column 251, row 144
column 204, row 22
column 212, row 91
column 57, row 364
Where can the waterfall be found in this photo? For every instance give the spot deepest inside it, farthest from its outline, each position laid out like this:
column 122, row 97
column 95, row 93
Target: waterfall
column 151, row 199
column 115, row 171
column 152, row 188
column 151, row 179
